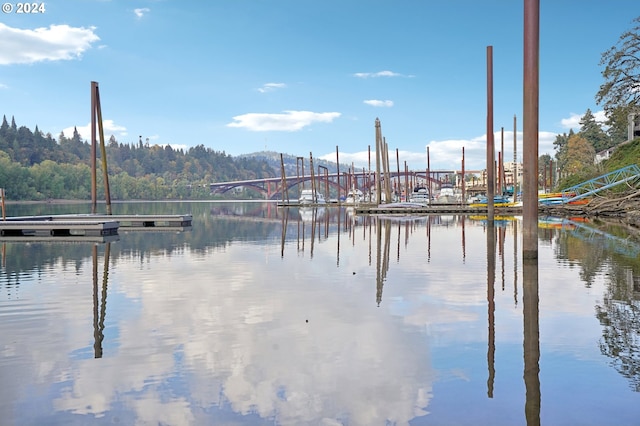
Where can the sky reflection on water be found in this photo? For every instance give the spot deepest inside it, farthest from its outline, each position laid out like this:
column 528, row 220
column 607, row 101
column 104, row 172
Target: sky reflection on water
column 336, row 320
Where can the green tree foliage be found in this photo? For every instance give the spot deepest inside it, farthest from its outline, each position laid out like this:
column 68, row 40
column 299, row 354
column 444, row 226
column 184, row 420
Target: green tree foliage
column 580, row 153
column 578, row 162
column 621, row 72
column 591, row 131
column 560, row 146
column 617, row 124
column 35, row 166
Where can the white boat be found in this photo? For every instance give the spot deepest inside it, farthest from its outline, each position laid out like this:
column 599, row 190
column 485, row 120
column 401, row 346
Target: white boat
column 354, row 196
column 309, row 196
column 420, row 195
column 448, row 195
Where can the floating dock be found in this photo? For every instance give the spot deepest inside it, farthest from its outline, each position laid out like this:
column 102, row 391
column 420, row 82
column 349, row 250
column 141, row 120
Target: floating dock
column 56, row 227
column 413, row 208
column 72, row 239
column 435, row 209
column 139, row 221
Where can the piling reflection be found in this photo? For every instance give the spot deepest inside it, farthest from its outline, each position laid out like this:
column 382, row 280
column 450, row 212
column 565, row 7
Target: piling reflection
column 382, row 257
column 491, row 273
column 99, row 300
column 531, row 344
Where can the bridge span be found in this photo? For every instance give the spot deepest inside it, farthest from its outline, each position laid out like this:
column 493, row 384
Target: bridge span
column 273, row 188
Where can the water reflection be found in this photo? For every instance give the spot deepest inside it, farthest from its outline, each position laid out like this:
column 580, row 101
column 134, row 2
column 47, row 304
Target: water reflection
column 269, row 316
column 531, row 341
column 99, row 300
column 491, row 274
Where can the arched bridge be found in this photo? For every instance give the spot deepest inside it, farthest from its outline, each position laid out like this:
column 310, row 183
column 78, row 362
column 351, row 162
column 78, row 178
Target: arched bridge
column 272, row 188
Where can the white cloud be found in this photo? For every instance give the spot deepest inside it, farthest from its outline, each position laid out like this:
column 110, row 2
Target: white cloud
column 288, row 121
column 378, row 103
column 110, row 128
column 3, row 86
column 573, row 121
column 600, row 116
column 377, row 74
column 380, row 74
column 58, row 42
column 447, row 154
column 270, row 87
column 140, row 12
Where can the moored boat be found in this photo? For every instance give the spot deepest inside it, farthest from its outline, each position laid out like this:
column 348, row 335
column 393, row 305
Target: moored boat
column 354, row 196
column 309, row 196
column 448, row 195
column 420, row 195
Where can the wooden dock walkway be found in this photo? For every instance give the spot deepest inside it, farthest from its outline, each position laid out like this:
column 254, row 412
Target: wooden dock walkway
column 87, row 225
column 435, row 209
column 413, row 208
column 57, row 228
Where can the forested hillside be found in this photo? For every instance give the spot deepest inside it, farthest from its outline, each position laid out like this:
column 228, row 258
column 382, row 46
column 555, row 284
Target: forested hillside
column 35, row 166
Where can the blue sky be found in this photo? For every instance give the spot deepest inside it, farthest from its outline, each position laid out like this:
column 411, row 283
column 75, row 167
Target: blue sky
column 301, row 76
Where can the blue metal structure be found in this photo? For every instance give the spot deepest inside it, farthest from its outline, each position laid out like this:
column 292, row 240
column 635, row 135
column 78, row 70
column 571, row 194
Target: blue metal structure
column 606, row 181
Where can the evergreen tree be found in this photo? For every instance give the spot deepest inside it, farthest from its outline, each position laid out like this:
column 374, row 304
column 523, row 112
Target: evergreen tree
column 560, row 146
column 76, row 136
column 593, row 133
column 618, row 124
column 4, row 127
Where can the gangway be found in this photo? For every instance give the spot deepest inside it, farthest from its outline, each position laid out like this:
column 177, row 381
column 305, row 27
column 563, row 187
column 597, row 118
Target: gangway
column 606, row 181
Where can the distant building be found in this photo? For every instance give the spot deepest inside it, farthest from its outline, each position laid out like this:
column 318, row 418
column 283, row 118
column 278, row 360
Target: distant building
column 510, row 169
column 603, row 155
column 633, row 129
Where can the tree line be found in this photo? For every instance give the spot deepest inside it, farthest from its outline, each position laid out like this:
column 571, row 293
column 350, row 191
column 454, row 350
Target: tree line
column 35, row 166
column 575, row 152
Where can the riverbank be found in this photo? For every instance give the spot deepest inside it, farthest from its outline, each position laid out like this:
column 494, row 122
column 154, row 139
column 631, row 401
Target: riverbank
column 623, row 207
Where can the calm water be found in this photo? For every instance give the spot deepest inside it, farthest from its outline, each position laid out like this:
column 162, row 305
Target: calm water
column 259, row 315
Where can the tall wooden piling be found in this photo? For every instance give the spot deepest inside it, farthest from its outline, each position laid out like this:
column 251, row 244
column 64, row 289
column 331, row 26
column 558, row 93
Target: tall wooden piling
column 4, row 214
column 530, row 129
column 429, row 176
column 96, row 118
column 338, row 171
column 313, row 178
column 490, row 140
column 463, row 184
column 387, row 171
column 300, row 180
column 398, row 166
column 283, row 177
column 515, row 160
column 378, row 154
